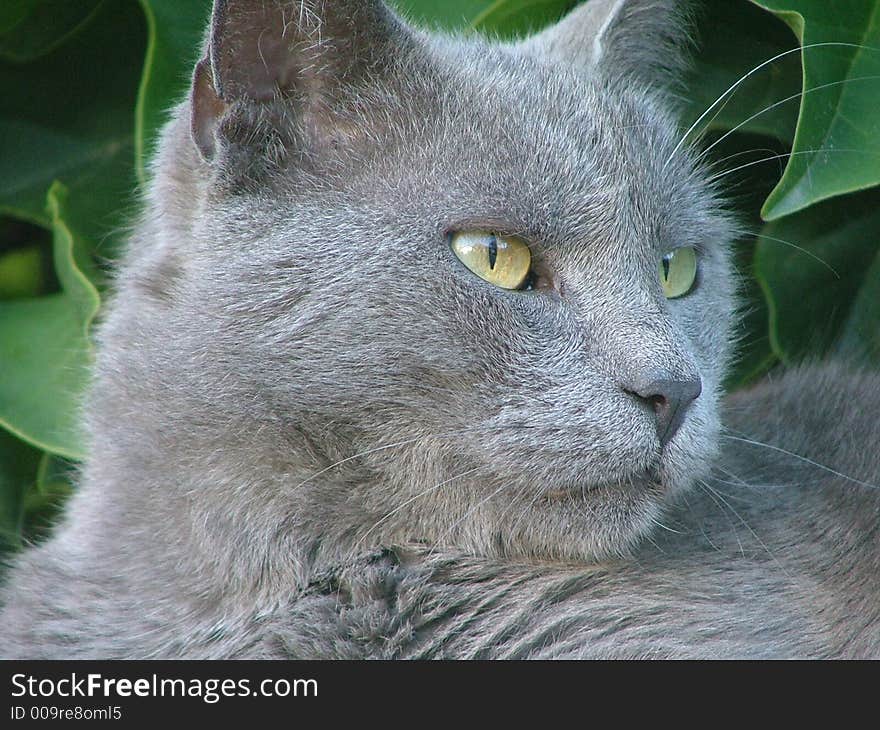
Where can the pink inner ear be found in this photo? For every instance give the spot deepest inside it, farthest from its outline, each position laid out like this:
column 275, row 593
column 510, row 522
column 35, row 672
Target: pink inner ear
column 206, row 108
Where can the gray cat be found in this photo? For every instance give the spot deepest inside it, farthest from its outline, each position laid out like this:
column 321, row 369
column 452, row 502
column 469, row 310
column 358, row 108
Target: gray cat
column 417, row 352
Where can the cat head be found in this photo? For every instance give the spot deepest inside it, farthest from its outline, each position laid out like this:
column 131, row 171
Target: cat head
column 402, row 286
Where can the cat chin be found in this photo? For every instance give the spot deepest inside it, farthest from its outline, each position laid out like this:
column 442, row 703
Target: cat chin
column 582, row 525
column 590, row 523
column 572, row 518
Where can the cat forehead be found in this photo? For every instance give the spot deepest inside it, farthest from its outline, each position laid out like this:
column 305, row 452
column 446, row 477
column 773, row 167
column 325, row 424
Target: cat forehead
column 509, row 133
column 511, row 88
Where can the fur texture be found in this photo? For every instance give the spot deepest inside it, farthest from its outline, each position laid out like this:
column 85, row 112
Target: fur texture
column 316, row 434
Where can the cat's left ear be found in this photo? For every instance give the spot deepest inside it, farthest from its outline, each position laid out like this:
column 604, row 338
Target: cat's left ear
column 276, row 73
column 629, row 40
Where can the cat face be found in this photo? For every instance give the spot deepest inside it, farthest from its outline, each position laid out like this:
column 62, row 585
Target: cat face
column 437, row 405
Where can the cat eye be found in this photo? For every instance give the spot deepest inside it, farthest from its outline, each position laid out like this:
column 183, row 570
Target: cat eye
column 504, row 261
column 678, row 271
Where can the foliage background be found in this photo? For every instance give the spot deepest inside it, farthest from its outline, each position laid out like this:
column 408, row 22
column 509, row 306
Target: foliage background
column 86, row 85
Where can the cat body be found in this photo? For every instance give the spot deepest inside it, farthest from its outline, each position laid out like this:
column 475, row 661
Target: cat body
column 316, row 434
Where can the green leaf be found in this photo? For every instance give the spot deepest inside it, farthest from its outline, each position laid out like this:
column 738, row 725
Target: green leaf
column 45, row 361
column 46, row 497
column 53, row 475
column 21, row 273
column 505, row 18
column 448, row 15
column 766, row 102
column 44, row 345
column 45, row 348
column 837, row 145
column 860, row 337
column 13, row 12
column 72, row 260
column 754, row 352
column 36, row 28
column 18, row 471
column 820, row 271
column 68, row 116
column 518, row 18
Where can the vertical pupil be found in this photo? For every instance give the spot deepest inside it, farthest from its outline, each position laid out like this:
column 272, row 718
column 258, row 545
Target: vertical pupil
column 666, row 263
column 493, row 251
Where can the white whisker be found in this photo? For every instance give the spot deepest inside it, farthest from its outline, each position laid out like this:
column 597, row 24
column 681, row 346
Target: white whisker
column 467, row 514
column 700, row 524
column 717, row 163
column 409, row 501
column 783, row 155
column 713, row 496
column 748, row 527
column 801, row 458
column 785, row 101
column 802, row 250
column 354, row 457
column 747, row 75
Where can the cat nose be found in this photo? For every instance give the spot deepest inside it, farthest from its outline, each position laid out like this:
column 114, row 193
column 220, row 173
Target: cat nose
column 670, row 400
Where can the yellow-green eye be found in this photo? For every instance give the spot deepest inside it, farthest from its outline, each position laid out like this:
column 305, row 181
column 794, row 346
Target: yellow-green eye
column 678, row 271
column 504, row 261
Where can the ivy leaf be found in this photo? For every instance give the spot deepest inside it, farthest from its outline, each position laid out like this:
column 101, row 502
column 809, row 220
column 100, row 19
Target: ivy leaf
column 820, row 269
column 46, row 496
column 32, row 28
column 448, row 15
column 67, row 116
column 21, row 273
column 505, row 18
column 18, row 471
column 860, row 338
column 13, row 12
column 757, row 98
column 518, row 18
column 45, row 348
column 837, row 145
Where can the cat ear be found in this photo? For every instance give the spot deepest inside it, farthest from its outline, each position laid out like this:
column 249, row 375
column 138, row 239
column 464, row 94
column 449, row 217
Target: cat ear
column 278, row 68
column 642, row 40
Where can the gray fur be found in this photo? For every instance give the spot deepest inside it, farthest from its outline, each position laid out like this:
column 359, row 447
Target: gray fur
column 314, row 433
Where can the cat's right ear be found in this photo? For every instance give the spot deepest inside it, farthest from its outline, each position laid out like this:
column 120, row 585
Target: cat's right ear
column 621, row 40
column 278, row 75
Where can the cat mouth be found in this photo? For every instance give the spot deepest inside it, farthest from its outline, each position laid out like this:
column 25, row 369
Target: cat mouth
column 641, row 484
